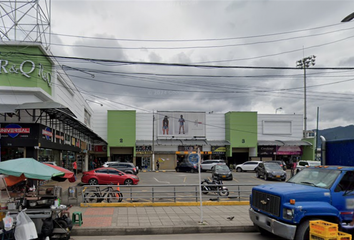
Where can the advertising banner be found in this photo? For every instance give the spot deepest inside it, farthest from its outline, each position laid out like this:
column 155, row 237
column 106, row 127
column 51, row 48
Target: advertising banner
column 181, row 124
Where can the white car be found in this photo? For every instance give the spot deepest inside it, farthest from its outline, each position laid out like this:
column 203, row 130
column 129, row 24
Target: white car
column 247, row 166
column 208, row 164
column 306, row 163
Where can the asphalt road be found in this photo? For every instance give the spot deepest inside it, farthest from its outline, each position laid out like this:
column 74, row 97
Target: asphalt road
column 172, row 177
column 204, row 236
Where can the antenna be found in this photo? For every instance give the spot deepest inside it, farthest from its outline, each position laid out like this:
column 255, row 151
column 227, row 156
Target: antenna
column 26, row 21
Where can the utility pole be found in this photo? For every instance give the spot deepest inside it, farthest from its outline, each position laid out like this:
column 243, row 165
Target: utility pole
column 305, row 63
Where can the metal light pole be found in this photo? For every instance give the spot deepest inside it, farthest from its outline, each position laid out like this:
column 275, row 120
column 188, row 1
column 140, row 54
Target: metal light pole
column 279, row 108
column 305, row 63
column 348, row 18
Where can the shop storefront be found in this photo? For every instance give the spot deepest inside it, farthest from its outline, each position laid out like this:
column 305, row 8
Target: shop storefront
column 35, row 141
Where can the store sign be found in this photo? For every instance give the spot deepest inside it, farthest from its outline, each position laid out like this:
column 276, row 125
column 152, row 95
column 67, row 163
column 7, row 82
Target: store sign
column 218, row 150
column 266, row 150
column 59, row 137
column 143, row 148
column 47, row 133
column 190, row 148
column 100, row 148
column 14, row 130
column 26, row 68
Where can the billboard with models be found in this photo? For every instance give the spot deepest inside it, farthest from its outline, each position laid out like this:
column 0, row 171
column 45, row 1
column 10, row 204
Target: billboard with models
column 180, row 124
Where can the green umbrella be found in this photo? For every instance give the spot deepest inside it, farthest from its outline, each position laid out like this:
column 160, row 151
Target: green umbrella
column 29, row 167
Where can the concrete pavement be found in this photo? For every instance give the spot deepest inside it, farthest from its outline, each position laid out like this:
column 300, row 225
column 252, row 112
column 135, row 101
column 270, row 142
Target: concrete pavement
column 159, row 218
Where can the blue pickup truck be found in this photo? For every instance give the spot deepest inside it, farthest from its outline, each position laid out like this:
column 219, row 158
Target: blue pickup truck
column 316, row 193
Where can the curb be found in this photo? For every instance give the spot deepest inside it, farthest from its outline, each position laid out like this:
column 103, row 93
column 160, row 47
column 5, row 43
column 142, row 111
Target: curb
column 164, row 204
column 160, row 230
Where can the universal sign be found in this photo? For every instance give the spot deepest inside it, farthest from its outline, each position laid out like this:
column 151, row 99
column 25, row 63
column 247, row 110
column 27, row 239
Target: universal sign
column 20, row 69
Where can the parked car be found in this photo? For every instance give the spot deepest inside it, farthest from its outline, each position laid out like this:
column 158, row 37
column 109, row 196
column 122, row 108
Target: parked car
column 221, row 171
column 208, row 164
column 247, row 166
column 306, row 163
column 281, row 163
column 108, row 175
column 270, row 170
column 123, row 166
column 186, row 167
column 51, row 163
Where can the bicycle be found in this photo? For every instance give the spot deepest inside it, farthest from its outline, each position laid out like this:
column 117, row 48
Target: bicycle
column 105, row 195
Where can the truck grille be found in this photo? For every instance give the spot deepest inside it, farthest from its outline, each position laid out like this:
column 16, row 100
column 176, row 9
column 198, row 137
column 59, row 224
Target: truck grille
column 266, row 202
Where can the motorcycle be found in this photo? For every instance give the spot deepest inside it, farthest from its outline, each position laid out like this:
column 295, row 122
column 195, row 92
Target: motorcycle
column 215, row 186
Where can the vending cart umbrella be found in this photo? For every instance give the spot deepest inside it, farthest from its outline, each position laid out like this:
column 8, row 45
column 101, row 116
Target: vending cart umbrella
column 30, row 168
column 67, row 173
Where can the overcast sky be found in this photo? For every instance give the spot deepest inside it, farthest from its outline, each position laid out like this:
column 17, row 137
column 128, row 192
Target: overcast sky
column 260, row 39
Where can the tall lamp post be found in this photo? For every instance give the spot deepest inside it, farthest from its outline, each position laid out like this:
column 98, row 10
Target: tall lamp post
column 305, row 63
column 348, row 18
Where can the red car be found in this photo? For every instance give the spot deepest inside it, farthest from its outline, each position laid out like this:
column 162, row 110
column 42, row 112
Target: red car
column 108, row 176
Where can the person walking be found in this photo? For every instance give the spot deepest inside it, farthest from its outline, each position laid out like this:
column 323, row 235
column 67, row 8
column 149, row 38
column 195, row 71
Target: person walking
column 157, row 165
column 75, row 167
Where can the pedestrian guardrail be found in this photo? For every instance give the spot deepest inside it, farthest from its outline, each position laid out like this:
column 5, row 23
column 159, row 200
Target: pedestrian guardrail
column 163, row 193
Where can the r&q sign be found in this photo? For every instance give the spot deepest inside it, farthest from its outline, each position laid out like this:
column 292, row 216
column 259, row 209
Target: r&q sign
column 46, row 76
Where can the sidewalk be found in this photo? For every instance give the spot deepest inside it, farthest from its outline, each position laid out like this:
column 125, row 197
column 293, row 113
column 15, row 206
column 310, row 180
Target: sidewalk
column 101, row 221
column 130, row 219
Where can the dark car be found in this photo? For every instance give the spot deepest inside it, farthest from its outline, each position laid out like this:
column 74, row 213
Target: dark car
column 281, row 163
column 270, row 170
column 107, row 175
column 186, row 167
column 221, row 171
column 123, row 166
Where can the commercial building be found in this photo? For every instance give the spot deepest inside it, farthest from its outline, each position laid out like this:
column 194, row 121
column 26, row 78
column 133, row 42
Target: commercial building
column 35, row 120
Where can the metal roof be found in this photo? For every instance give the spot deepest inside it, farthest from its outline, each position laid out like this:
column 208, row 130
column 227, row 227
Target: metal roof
column 8, row 108
column 283, row 143
column 52, row 108
column 62, row 113
column 218, row 142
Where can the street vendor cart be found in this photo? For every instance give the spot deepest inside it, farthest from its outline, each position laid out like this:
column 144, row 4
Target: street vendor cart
column 23, row 180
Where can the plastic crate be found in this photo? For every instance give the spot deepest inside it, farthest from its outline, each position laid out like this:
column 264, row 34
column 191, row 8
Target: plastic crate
column 314, row 236
column 344, row 236
column 323, row 228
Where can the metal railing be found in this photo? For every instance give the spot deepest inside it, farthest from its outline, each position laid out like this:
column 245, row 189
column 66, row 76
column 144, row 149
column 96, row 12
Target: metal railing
column 163, row 193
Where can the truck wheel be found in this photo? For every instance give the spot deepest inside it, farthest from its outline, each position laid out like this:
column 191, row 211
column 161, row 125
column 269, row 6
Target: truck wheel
column 264, row 232
column 303, row 231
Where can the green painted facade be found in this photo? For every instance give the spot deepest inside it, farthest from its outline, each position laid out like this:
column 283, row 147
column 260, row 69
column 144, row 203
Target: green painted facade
column 29, row 69
column 121, row 128
column 308, row 152
column 241, row 130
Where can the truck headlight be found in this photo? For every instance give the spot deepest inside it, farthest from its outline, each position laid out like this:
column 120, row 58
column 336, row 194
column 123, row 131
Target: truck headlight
column 288, row 213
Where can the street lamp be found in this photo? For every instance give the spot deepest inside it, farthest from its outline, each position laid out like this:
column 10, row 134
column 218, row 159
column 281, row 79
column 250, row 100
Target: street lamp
column 348, row 18
column 305, row 63
column 279, row 108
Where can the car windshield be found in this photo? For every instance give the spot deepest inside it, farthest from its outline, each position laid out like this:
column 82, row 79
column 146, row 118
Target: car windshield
column 314, row 163
column 317, row 177
column 273, row 167
column 222, row 167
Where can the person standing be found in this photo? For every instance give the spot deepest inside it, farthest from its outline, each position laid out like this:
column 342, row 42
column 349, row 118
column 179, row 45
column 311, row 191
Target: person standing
column 75, row 167
column 165, row 125
column 181, row 124
column 157, row 165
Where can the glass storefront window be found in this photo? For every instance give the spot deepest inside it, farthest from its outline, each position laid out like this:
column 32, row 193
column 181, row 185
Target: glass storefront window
column 11, row 153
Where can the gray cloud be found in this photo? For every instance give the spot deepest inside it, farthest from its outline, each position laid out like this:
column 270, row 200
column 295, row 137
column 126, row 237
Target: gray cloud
column 238, row 33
